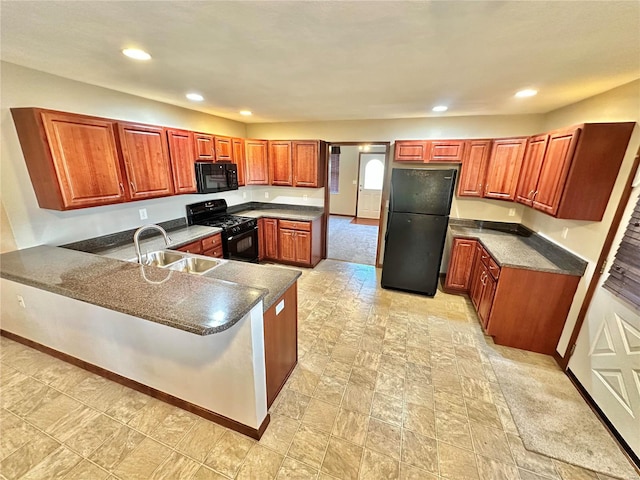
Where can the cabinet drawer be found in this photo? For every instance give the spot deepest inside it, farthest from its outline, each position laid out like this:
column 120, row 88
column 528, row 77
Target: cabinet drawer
column 306, row 226
column 194, row 247
column 490, row 263
column 214, row 252
column 212, row 241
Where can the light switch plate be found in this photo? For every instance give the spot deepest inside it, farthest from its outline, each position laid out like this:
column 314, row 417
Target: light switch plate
column 305, row 198
column 512, row 212
column 143, row 214
column 266, row 194
column 244, row 195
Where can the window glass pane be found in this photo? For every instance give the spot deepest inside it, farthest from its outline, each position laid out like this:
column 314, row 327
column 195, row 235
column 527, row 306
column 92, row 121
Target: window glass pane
column 373, row 175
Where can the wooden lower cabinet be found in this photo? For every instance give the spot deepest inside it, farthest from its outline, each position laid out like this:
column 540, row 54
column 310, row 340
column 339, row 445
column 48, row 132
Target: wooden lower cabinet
column 280, row 341
column 209, row 246
column 520, row 308
column 463, row 253
column 292, row 242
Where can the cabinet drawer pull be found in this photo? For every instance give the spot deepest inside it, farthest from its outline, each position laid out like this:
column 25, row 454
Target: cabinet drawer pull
column 121, row 187
column 531, row 193
column 133, row 187
column 534, row 194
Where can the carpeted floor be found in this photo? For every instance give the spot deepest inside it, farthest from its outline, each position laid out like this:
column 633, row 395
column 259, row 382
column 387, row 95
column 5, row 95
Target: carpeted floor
column 551, row 416
column 351, row 242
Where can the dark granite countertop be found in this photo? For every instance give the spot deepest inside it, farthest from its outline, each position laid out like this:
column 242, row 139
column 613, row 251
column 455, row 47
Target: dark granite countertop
column 194, row 303
column 277, row 210
column 513, row 245
column 275, row 280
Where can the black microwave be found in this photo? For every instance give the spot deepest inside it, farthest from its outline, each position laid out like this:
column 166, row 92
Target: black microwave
column 216, row 177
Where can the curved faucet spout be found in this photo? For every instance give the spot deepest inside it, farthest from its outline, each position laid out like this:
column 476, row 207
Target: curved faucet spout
column 136, row 238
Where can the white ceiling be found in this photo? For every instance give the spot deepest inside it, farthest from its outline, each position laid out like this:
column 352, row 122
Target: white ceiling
column 328, row 60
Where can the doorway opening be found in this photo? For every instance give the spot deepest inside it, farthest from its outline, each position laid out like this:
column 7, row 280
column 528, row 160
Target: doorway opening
column 356, row 179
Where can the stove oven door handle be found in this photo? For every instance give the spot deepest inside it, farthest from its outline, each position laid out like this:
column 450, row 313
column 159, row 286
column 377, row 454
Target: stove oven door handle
column 243, row 234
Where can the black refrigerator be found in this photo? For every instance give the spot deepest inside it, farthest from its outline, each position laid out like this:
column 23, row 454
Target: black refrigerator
column 419, row 206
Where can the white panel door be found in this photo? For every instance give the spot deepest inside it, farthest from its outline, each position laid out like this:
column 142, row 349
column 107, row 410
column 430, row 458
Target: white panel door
column 606, row 360
column 370, row 180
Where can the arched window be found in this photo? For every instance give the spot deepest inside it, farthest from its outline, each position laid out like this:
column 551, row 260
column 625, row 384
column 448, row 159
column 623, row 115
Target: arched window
column 373, row 175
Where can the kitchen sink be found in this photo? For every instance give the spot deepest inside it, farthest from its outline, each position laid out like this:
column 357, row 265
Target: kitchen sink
column 180, row 261
column 162, row 258
column 197, row 265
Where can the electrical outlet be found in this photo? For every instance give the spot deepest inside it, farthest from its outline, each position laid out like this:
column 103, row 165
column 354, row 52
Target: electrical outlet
column 143, row 213
column 305, row 198
column 355, row 182
column 512, row 212
column 244, row 195
column 266, row 194
column 565, row 232
column 21, row 301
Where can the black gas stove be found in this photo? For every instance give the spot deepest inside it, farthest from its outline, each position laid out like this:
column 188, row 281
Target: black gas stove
column 239, row 234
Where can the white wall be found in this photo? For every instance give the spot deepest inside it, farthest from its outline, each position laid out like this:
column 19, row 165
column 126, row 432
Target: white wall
column 587, row 238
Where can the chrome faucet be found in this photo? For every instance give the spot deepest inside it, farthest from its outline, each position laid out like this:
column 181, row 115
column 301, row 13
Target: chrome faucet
column 136, row 238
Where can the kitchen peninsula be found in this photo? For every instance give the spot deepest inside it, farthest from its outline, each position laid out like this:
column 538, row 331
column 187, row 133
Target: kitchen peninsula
column 207, row 343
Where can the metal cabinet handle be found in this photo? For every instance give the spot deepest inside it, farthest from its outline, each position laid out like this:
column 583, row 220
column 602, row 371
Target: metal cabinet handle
column 534, row 194
column 121, row 187
column 133, row 187
column 531, row 193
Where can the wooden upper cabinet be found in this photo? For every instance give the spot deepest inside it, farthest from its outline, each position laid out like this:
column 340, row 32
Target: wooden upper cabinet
column 504, row 167
column 460, row 264
column 530, row 171
column 205, row 150
column 450, row 151
column 280, row 163
column 237, row 145
column 474, row 165
column 307, row 165
column 257, row 162
column 411, row 151
column 553, row 171
column 181, row 152
column 72, row 159
column 146, row 160
column 224, row 149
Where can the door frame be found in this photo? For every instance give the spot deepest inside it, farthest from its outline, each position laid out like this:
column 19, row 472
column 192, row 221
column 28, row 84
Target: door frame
column 358, row 191
column 600, row 264
column 383, row 199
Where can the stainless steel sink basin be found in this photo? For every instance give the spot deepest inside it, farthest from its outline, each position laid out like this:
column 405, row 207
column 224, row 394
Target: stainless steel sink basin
column 197, row 265
column 162, row 258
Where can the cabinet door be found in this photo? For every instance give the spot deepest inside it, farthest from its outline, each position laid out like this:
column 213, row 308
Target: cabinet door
column 146, row 159
column 280, row 342
column 271, row 238
column 460, row 264
column 486, row 299
column 450, row 151
column 305, row 165
column 204, row 147
column 302, row 242
column 554, row 171
column 281, row 163
column 224, row 151
column 237, row 144
column 474, row 165
column 257, row 163
column 287, row 244
column 86, row 160
column 477, row 277
column 530, row 171
column 181, row 152
column 504, row 167
column 411, row 151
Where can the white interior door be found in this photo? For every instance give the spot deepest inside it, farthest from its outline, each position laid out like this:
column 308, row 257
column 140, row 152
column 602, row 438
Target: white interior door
column 370, row 180
column 606, row 360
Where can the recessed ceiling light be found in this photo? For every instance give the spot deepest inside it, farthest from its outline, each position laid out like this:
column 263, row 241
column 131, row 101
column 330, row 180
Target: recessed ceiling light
column 526, row 93
column 246, row 113
column 196, row 97
column 136, row 54
column 440, row 108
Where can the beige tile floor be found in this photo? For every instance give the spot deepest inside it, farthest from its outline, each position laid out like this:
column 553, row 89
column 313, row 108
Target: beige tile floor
column 389, row 386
